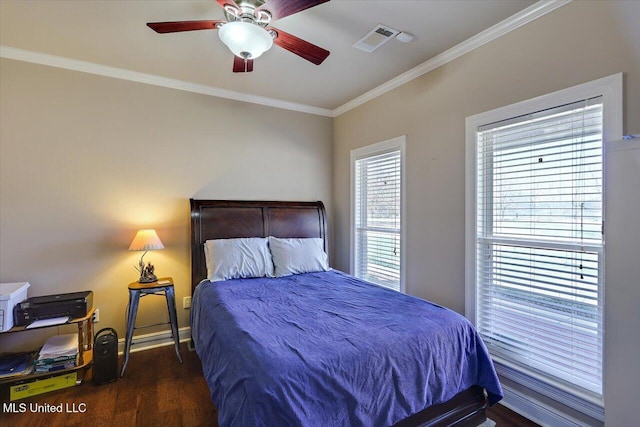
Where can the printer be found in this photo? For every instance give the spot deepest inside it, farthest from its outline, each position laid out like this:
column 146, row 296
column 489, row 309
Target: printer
column 73, row 305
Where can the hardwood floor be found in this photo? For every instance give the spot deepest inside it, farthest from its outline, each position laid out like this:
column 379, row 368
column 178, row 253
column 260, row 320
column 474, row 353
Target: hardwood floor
column 155, row 391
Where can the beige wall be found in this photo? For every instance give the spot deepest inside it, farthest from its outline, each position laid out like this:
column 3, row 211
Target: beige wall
column 85, row 161
column 580, row 42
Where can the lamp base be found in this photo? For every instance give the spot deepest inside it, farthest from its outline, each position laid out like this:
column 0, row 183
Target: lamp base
column 148, row 279
column 147, row 274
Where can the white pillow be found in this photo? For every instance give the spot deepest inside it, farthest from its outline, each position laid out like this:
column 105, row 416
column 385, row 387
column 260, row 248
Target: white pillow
column 237, row 258
column 294, row 256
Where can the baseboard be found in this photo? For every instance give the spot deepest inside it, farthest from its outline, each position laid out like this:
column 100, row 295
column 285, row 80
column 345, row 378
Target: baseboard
column 537, row 411
column 154, row 340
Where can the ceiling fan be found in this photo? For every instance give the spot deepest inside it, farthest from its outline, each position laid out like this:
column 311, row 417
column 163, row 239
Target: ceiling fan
column 247, row 31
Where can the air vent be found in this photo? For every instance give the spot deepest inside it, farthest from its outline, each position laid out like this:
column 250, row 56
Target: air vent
column 379, row 35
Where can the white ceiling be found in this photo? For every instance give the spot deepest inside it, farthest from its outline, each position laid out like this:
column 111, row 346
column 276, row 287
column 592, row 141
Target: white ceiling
column 113, row 33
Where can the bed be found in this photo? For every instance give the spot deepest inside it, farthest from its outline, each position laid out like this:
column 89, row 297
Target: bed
column 287, row 351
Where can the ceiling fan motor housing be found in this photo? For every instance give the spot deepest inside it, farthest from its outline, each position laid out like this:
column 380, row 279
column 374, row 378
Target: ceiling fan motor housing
column 247, row 13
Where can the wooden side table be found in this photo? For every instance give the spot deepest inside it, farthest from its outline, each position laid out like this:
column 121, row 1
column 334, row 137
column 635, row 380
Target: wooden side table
column 164, row 286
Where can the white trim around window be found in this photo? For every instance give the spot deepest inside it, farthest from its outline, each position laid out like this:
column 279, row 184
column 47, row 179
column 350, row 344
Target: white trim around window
column 393, row 152
column 480, row 232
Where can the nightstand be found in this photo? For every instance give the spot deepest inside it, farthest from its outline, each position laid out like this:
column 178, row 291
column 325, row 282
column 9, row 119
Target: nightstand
column 163, row 287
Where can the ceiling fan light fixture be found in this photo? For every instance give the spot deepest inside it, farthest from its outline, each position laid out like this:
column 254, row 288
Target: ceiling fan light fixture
column 245, row 39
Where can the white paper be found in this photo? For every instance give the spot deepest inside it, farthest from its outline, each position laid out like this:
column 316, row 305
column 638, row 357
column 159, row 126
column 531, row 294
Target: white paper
column 59, row 345
column 48, row 322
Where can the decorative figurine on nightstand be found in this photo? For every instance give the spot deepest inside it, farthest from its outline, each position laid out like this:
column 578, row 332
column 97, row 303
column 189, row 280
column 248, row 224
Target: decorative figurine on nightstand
column 146, row 273
column 146, row 240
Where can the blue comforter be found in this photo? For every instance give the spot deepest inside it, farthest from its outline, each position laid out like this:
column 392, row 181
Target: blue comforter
column 327, row 349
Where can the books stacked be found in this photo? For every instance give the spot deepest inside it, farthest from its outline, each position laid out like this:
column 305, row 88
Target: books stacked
column 58, row 352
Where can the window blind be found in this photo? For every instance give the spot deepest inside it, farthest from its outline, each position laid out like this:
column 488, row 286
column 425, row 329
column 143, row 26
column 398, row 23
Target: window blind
column 377, row 218
column 540, row 245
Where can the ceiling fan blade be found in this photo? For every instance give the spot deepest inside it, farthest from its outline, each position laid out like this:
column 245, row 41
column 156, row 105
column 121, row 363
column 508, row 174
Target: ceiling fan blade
column 241, row 65
column 281, row 8
column 300, row 47
column 177, row 26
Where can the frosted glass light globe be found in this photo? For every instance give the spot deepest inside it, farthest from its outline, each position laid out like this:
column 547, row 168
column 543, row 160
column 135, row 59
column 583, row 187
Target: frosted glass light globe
column 245, row 40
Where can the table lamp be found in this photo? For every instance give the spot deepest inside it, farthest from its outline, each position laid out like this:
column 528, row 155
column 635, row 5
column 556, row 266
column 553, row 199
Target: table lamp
column 146, row 240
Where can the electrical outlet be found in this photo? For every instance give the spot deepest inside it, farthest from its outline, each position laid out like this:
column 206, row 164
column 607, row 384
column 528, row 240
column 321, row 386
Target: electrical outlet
column 186, row 302
column 96, row 315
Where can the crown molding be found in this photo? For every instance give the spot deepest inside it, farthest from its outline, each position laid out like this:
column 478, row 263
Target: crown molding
column 150, row 79
column 521, row 18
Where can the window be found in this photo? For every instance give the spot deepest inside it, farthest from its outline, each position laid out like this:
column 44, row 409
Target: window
column 377, row 214
column 535, row 239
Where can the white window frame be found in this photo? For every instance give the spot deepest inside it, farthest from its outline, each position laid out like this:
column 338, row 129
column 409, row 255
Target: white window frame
column 395, row 144
column 610, row 88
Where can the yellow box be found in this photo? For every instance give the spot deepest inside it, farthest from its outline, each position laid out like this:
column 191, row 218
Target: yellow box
column 34, row 388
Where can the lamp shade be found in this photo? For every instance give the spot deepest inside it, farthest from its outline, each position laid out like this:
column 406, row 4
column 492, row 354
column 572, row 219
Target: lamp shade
column 245, row 40
column 146, row 240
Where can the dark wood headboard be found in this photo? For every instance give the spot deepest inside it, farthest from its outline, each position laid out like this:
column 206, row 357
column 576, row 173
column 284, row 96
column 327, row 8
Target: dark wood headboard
column 227, row 219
